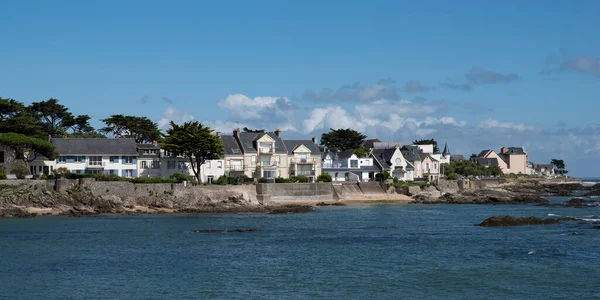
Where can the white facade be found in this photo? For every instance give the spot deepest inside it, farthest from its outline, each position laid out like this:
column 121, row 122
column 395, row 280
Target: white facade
column 124, row 166
column 352, row 168
column 209, row 171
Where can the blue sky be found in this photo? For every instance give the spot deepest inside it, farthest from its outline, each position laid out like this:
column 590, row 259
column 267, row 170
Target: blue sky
column 475, row 74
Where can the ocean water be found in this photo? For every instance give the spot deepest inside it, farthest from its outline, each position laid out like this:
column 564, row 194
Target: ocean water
column 353, row 252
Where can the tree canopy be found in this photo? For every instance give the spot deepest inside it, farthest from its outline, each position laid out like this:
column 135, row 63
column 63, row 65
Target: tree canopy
column 142, row 129
column 559, row 164
column 246, row 129
column 469, row 168
column 28, row 148
column 44, row 118
column 428, row 142
column 343, row 139
column 195, row 142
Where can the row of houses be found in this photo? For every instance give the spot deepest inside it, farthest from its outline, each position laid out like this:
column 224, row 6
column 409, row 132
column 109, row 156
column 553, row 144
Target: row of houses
column 268, row 155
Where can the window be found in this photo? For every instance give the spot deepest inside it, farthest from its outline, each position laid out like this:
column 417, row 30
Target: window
column 171, row 164
column 354, row 163
column 265, row 161
column 114, row 159
column 144, row 164
column 32, row 170
column 181, row 165
column 253, row 160
column 210, row 179
column 219, row 165
column 128, row 173
column 62, row 159
column 277, row 160
column 398, row 162
column 113, row 172
column 95, row 161
column 1, row 157
column 79, row 159
column 40, row 169
column 427, row 166
column 128, row 159
column 269, row 174
column 155, row 164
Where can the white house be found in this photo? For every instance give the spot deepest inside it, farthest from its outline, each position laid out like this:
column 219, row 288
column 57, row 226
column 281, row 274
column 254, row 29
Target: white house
column 347, row 166
column 388, row 157
column 91, row 156
column 170, row 164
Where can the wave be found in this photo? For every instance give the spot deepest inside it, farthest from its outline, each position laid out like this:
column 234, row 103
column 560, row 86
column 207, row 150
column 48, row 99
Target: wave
column 553, row 215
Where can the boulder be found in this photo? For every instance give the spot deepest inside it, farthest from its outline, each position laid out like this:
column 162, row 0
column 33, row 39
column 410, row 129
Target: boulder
column 581, row 202
column 501, row 221
column 16, row 212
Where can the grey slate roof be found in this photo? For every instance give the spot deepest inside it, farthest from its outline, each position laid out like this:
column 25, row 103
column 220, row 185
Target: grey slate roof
column 386, row 145
column 95, row 146
column 248, row 142
column 383, row 156
column 446, row 150
column 425, row 155
column 291, row 145
column 484, row 153
column 344, row 155
column 411, row 153
column 486, row 161
column 142, row 147
column 515, row 151
column 369, row 143
column 230, row 144
column 457, row 157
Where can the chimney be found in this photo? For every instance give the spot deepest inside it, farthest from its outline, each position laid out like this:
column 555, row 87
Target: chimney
column 314, row 139
column 154, row 142
column 503, row 150
column 236, row 133
column 277, row 132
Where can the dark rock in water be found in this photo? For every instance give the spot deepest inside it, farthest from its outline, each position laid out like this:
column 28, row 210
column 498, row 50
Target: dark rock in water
column 491, row 196
column 596, row 227
column 580, row 202
column 222, row 230
column 16, row 213
column 78, row 213
column 292, row 209
column 500, row 221
column 330, row 204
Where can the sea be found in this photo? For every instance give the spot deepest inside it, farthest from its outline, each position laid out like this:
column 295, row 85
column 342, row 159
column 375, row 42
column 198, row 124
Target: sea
column 351, row 252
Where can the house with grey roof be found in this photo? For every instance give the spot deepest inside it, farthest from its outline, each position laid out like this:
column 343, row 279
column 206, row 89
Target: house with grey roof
column 545, row 170
column 264, row 154
column 233, row 157
column 116, row 156
column 304, row 158
column 347, row 166
column 388, row 157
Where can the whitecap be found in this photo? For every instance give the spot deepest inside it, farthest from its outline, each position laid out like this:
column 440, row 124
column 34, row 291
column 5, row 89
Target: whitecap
column 532, row 252
column 553, row 215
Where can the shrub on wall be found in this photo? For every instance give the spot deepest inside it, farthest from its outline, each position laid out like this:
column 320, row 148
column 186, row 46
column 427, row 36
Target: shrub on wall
column 61, row 173
column 223, row 180
column 452, row 176
column 382, row 176
column 325, row 177
column 20, row 171
column 301, row 178
column 3, row 173
column 153, row 180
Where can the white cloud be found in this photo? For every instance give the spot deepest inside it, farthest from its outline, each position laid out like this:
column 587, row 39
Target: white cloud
column 244, row 107
column 172, row 114
column 492, row 123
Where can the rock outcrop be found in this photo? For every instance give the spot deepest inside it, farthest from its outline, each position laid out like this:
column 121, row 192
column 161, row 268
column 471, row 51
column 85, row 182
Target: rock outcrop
column 484, row 196
column 501, row 221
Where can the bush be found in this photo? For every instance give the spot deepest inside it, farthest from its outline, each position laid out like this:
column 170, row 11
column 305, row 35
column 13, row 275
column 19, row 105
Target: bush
column 108, row 177
column 153, row 180
column 281, row 180
column 61, row 173
column 382, row 176
column 21, row 172
column 325, row 177
column 452, row 176
column 301, row 178
column 82, row 175
column 263, row 180
column 46, row 177
column 3, row 173
column 395, row 179
column 223, row 180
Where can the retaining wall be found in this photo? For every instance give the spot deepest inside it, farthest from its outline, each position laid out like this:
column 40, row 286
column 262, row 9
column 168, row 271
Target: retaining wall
column 295, row 192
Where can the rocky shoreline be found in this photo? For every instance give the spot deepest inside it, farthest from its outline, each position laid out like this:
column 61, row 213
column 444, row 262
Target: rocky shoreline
column 89, row 200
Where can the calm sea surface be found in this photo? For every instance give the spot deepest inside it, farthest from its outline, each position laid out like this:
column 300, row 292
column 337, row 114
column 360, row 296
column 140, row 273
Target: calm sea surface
column 359, row 252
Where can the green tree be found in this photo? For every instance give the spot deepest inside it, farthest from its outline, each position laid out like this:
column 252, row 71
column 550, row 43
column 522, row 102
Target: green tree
column 325, row 177
column 54, row 116
column 559, row 165
column 246, row 129
column 195, row 142
column 18, row 118
column 343, row 139
column 142, row 129
column 428, row 142
column 28, row 148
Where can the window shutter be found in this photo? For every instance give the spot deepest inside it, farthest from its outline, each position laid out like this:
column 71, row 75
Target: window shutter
column 134, row 173
column 124, row 159
column 134, row 160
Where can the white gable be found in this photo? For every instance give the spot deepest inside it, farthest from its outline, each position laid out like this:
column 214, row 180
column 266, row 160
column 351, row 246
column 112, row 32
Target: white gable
column 301, row 149
column 266, row 139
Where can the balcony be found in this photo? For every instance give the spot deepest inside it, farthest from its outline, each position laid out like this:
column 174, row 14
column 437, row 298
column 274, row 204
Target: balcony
column 236, row 168
column 303, row 172
column 94, row 165
column 303, row 161
column 339, row 165
column 266, row 150
column 271, row 163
